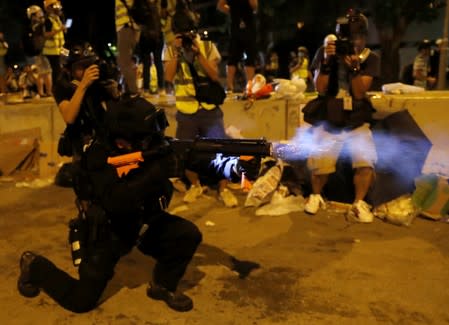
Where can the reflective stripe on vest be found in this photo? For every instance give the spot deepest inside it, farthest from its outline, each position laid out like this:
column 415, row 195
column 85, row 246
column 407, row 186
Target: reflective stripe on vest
column 185, row 90
column 54, row 44
column 121, row 14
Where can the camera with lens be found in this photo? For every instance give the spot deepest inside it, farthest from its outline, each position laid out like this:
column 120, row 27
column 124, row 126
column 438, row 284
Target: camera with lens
column 107, row 70
column 187, row 39
column 348, row 27
column 343, row 44
column 344, row 47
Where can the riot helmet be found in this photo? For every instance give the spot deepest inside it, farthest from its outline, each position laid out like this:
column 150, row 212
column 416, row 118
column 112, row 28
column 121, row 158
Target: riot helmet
column 137, row 121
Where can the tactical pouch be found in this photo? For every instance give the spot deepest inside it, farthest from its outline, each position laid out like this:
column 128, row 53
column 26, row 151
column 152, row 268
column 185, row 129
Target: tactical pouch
column 77, row 239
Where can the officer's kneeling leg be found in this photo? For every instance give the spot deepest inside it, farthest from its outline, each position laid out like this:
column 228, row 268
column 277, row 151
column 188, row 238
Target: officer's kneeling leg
column 75, row 295
column 172, row 241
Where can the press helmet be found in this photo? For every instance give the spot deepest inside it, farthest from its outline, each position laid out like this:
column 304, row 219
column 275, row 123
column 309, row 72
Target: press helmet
column 48, row 3
column 34, row 10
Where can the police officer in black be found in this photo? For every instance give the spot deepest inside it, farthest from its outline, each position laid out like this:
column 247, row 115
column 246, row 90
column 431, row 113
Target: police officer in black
column 116, row 213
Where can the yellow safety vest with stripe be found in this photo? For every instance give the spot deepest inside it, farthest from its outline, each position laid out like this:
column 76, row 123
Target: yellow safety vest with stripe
column 184, row 89
column 121, row 14
column 303, row 71
column 53, row 45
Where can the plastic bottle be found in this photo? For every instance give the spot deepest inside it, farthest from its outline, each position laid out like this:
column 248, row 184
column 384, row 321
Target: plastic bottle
column 153, row 76
column 264, row 186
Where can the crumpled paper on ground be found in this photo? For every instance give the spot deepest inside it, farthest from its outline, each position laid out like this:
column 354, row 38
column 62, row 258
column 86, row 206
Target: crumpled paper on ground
column 282, row 203
column 400, row 211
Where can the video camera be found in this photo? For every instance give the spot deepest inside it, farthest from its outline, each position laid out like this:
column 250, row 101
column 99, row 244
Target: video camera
column 348, row 27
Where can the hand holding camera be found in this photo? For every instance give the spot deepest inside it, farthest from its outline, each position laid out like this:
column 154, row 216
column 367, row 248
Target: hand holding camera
column 91, row 74
column 187, row 45
column 329, row 46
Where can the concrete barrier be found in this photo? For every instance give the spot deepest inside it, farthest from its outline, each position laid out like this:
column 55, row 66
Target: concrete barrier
column 430, row 110
column 274, row 119
column 44, row 115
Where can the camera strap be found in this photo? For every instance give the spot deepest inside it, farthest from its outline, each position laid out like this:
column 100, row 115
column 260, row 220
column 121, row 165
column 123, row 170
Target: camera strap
column 193, row 72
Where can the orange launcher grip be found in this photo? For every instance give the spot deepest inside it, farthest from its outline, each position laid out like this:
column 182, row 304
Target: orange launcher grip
column 125, row 163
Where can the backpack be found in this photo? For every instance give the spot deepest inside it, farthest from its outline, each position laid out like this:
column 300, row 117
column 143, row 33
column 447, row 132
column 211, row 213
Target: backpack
column 145, row 13
column 33, row 40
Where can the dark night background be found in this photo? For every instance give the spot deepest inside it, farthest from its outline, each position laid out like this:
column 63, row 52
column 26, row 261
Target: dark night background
column 93, row 21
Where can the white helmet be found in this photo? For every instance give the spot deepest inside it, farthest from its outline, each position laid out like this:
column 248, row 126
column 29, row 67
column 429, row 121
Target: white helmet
column 33, row 10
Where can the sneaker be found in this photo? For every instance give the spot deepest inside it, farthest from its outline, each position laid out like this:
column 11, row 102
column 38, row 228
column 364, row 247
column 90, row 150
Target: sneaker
column 194, row 192
column 361, row 211
column 175, row 300
column 314, row 202
column 24, row 285
column 228, row 198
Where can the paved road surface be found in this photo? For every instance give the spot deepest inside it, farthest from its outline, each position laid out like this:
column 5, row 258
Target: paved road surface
column 313, row 270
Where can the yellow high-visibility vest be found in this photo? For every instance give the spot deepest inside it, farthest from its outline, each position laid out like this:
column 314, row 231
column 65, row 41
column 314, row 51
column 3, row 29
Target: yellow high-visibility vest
column 184, row 89
column 121, row 13
column 53, row 45
column 303, row 71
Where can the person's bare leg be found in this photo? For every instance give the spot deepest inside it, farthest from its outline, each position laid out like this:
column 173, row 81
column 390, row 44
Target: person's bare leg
column 48, row 82
column 363, row 179
column 40, row 85
column 193, row 177
column 249, row 73
column 230, row 75
column 222, row 185
column 318, row 182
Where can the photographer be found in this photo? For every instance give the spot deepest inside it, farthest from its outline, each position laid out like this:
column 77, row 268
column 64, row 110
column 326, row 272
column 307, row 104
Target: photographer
column 344, row 71
column 194, row 118
column 115, row 212
column 77, row 97
column 54, row 36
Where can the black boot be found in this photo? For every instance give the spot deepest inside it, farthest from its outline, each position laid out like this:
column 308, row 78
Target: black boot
column 175, row 300
column 24, row 285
